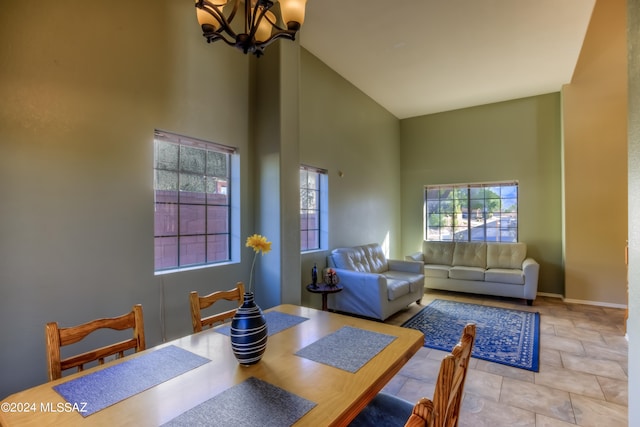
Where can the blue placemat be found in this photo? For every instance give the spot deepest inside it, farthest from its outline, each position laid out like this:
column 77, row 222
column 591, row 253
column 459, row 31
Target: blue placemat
column 253, row 402
column 101, row 389
column 276, row 322
column 347, row 348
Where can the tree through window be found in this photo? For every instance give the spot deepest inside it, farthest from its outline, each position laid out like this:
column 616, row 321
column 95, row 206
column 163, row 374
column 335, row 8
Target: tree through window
column 472, row 212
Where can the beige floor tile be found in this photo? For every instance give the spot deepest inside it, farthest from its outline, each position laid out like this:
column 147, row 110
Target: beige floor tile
column 566, row 380
column 537, row 398
column 618, row 342
column 505, row 371
column 597, row 413
column 424, row 369
column 615, row 391
column 597, row 351
column 550, row 357
column 580, row 334
column 396, row 383
column 582, row 378
column 412, row 390
column 603, row 368
column 599, row 323
column 483, row 384
column 544, row 421
column 555, row 320
column 566, row 345
column 479, row 412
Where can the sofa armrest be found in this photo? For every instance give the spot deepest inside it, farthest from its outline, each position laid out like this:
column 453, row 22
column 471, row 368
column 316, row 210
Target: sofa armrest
column 406, row 266
column 363, row 293
column 418, row 256
column 369, row 286
column 364, row 283
column 531, row 270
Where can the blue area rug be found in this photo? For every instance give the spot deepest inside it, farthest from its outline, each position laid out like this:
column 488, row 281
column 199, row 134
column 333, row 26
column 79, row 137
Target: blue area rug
column 505, row 336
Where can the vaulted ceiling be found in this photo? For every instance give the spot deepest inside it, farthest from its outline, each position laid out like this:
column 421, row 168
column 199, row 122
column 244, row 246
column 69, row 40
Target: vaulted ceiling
column 417, row 57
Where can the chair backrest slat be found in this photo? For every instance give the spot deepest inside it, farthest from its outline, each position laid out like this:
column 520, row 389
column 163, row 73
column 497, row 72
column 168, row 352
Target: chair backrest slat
column 199, row 303
column 57, row 337
column 444, row 410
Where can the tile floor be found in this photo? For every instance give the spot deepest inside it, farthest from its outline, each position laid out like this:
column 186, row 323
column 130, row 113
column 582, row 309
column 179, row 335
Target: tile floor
column 582, row 378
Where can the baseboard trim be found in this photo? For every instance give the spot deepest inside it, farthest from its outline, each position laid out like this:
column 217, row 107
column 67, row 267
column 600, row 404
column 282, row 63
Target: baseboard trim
column 550, row 295
column 585, row 302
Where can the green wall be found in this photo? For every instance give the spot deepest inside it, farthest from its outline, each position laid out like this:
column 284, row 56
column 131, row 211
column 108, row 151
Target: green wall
column 513, row 140
column 83, row 86
column 345, row 132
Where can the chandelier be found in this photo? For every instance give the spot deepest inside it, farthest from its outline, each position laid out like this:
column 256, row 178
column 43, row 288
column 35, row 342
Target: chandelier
column 260, row 26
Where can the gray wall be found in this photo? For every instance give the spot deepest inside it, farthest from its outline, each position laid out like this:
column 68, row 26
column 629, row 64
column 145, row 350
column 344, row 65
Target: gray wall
column 514, row 140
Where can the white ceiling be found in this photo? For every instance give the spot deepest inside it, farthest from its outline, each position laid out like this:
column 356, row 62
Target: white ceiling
column 417, row 57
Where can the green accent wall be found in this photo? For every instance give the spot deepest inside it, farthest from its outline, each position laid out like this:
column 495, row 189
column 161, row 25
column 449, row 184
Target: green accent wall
column 357, row 141
column 513, row 140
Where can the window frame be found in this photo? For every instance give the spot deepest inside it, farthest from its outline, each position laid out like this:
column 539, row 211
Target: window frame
column 321, row 209
column 203, row 204
column 454, row 201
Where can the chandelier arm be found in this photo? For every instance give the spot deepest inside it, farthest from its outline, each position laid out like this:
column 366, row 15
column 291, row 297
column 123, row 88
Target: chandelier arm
column 256, row 17
column 259, row 11
column 233, row 11
column 284, row 34
column 215, row 36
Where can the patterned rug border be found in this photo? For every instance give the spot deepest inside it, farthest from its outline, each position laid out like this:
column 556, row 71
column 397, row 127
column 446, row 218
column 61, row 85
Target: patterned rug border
column 534, row 358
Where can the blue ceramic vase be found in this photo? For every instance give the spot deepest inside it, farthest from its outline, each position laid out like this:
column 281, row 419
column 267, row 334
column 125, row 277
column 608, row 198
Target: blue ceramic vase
column 248, row 332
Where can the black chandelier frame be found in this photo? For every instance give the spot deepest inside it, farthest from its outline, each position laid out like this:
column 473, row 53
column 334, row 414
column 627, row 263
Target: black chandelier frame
column 254, row 15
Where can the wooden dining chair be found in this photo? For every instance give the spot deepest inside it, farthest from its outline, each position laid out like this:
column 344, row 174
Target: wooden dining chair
column 57, row 337
column 443, row 410
column 199, row 303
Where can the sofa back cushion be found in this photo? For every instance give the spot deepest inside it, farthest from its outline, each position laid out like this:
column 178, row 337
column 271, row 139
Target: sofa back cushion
column 440, row 253
column 470, row 254
column 506, row 255
column 365, row 259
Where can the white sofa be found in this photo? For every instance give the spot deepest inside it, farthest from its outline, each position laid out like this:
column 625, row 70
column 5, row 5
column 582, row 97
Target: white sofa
column 501, row 269
column 374, row 286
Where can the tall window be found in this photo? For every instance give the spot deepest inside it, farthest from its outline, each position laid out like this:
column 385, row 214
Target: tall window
column 192, row 184
column 313, row 210
column 472, row 212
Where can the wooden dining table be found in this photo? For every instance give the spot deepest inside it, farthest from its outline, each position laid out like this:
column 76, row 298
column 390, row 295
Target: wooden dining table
column 337, row 395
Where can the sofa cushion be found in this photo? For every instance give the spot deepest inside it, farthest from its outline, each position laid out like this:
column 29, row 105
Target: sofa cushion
column 415, row 280
column 504, row 275
column 470, row 254
column 376, row 258
column 506, row 255
column 365, row 259
column 397, row 288
column 437, row 271
column 438, row 252
column 466, row 273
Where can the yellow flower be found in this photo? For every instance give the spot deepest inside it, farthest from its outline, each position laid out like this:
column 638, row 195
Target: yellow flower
column 259, row 244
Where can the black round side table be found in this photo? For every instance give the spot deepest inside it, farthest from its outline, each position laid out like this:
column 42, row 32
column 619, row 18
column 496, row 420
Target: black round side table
column 324, row 289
